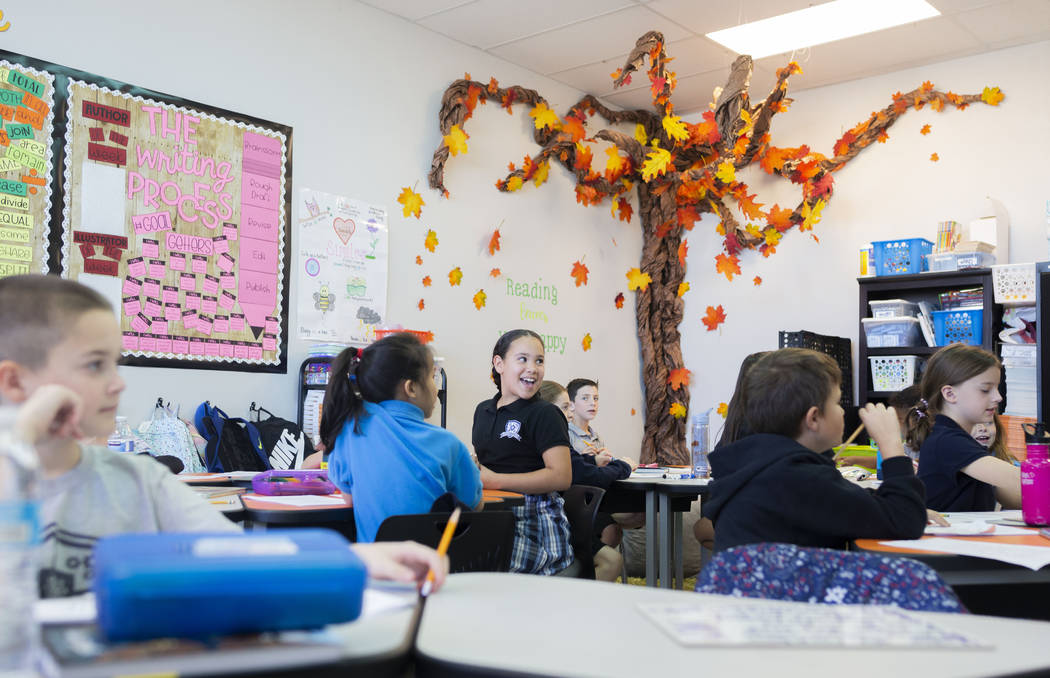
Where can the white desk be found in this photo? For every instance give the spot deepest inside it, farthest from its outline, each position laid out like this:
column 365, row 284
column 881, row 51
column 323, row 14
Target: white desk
column 663, row 526
column 553, row 626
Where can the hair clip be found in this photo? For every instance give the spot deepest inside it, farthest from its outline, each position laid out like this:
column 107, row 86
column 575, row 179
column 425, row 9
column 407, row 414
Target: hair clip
column 922, row 401
column 919, row 413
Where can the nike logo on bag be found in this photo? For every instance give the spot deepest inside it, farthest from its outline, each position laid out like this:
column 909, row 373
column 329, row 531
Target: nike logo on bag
column 288, row 451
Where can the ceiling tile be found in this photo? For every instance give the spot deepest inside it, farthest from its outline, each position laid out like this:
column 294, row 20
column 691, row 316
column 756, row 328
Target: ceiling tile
column 414, row 10
column 488, row 23
column 956, row 6
column 705, row 17
column 595, row 78
column 698, row 55
column 924, row 41
column 584, row 43
column 1012, row 20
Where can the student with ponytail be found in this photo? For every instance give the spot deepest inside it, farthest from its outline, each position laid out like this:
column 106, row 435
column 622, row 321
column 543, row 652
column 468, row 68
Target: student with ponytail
column 382, row 452
column 960, row 389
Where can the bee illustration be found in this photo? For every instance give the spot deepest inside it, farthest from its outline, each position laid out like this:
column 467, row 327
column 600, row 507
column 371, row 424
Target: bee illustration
column 324, row 300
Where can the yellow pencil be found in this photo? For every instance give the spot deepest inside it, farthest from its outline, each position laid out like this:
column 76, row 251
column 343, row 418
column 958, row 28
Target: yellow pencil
column 442, row 549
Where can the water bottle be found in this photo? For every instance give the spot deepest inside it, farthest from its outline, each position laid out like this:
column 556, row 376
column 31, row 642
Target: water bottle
column 122, row 439
column 1035, row 476
column 18, row 536
column 698, row 452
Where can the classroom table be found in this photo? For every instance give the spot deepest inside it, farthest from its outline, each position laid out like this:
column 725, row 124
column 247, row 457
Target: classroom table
column 217, row 479
column 576, row 627
column 665, row 501
column 260, row 512
column 501, row 500
column 377, row 644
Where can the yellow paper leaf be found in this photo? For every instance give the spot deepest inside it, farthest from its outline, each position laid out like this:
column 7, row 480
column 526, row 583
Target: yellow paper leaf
column 616, row 162
column 655, row 164
column 810, row 217
column 683, row 287
column 587, row 342
column 479, row 299
column 675, row 128
column 431, row 242
column 726, row 172
column 640, row 135
column 991, row 96
column 723, row 409
column 543, row 117
column 636, row 280
column 456, row 140
column 677, row 411
column 455, row 276
column 541, row 173
column 412, row 202
column 514, row 183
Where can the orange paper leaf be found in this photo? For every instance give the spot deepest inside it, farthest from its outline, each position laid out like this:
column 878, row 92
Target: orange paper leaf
column 419, row 260
column 494, row 242
column 618, row 300
column 678, row 378
column 683, row 250
column 495, row 273
column 934, row 157
column 758, row 280
column 714, row 317
column 421, row 305
column 431, row 241
column 479, row 299
column 426, row 281
column 412, row 202
column 729, row 266
column 455, row 276
column 579, row 273
column 925, row 130
column 586, row 342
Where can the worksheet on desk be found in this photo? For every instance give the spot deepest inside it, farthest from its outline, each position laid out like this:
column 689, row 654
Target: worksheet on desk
column 736, row 622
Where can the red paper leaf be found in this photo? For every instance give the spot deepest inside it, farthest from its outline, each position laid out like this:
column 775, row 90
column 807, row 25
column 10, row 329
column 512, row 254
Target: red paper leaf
column 714, row 317
column 494, row 242
column 619, row 300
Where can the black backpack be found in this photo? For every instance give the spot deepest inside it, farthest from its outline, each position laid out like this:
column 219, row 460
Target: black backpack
column 284, row 444
column 233, row 444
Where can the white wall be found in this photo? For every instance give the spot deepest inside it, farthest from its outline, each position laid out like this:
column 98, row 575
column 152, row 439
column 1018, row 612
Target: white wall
column 890, row 190
column 362, row 89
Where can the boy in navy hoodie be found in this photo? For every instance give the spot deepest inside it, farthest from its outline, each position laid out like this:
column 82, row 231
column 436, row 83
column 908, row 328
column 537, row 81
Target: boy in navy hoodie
column 779, row 484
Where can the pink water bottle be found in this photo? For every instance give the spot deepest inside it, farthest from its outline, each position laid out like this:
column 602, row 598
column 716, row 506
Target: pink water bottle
column 1035, row 476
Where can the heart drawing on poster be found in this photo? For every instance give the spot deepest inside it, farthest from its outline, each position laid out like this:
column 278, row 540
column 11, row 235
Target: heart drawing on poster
column 344, row 228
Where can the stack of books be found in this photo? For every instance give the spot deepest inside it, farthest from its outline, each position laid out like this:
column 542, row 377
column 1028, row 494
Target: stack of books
column 1019, row 361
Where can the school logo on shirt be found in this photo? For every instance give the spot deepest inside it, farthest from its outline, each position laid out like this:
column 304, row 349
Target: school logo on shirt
column 512, row 430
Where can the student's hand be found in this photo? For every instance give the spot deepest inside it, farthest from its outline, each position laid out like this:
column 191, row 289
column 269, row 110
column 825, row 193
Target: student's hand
column 934, row 518
column 403, row 561
column 630, row 462
column 884, row 427
column 490, row 480
column 603, row 457
column 52, row 412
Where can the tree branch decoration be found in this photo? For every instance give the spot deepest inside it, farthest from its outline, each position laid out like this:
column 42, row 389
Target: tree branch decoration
column 681, row 171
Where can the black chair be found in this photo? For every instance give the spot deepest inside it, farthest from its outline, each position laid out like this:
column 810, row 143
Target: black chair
column 581, row 506
column 482, row 541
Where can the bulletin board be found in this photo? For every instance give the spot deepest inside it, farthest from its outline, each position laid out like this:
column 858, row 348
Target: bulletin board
column 26, row 166
column 179, row 214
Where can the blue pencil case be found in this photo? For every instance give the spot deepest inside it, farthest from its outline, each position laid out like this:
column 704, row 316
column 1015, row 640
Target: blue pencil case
column 201, row 585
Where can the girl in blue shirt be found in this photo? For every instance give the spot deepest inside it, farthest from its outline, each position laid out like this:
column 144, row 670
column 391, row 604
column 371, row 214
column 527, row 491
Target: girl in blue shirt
column 382, row 452
column 960, row 389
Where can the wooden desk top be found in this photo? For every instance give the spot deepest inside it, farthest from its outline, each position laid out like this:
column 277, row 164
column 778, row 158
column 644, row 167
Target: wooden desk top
column 259, row 502
column 1032, row 539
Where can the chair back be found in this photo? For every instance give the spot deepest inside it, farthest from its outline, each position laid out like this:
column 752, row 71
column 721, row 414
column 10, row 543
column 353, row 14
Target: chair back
column 482, row 541
column 581, row 506
column 815, row 575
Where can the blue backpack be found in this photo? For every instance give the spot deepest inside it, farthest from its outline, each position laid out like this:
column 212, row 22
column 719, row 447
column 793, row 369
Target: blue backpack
column 233, row 444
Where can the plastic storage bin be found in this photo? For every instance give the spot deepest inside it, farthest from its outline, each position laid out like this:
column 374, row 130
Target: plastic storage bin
column 961, row 325
column 1014, row 283
column 893, row 372
column 958, row 261
column 891, row 332
column 200, row 585
column 893, row 308
column 898, row 257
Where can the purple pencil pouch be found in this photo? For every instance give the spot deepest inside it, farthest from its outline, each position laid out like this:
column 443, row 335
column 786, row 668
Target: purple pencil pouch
column 313, row 481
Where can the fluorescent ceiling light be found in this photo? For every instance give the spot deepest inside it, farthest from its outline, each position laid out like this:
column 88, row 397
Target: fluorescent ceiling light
column 819, row 24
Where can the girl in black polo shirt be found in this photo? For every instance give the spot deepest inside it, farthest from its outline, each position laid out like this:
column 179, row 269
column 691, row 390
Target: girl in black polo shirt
column 522, row 444
column 960, row 388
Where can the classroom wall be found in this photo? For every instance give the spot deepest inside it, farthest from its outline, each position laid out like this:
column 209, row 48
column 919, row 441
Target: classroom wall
column 362, row 90
column 890, row 190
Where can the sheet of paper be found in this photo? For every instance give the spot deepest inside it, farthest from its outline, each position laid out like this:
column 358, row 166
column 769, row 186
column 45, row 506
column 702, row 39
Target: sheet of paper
column 102, row 207
column 1032, row 557
column 976, row 528
column 241, row 475
column 380, row 600
column 706, row 621
column 71, row 610
column 300, row 500
column 970, row 516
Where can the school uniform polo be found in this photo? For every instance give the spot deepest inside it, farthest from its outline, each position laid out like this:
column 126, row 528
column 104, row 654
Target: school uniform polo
column 945, row 452
column 512, row 439
column 399, row 464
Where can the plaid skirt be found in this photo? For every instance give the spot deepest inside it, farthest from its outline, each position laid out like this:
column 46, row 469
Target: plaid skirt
column 541, row 536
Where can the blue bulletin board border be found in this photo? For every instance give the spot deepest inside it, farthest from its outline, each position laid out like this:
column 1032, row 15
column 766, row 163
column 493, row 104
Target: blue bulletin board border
column 62, row 77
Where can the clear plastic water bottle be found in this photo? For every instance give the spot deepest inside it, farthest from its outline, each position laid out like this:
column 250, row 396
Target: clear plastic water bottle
column 18, row 537
column 122, row 439
column 698, row 452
